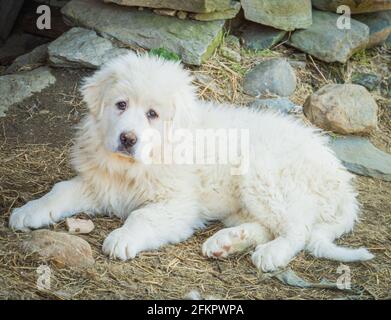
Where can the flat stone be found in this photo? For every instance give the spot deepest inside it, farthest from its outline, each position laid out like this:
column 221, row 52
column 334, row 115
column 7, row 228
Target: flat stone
column 355, row 6
column 29, row 61
column 282, row 105
column 379, row 24
column 360, row 156
column 61, row 248
column 82, row 48
column 368, row 80
column 259, row 37
column 79, row 226
column 15, row 88
column 201, row 6
column 335, row 45
column 193, row 40
column 9, row 11
column 342, row 108
column 281, row 14
column 218, row 15
column 165, row 12
column 274, row 76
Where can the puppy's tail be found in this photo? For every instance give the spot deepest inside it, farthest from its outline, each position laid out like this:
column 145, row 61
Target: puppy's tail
column 324, row 248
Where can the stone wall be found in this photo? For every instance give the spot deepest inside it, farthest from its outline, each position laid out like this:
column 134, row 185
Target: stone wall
column 307, row 19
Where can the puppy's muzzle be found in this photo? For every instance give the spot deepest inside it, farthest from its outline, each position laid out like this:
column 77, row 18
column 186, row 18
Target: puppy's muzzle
column 127, row 141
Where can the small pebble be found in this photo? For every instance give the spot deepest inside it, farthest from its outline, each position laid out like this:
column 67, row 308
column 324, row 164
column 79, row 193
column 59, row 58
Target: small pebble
column 79, row 226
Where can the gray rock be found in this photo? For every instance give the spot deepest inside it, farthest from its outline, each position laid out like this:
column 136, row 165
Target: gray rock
column 355, row 6
column 290, row 278
column 281, row 14
column 30, row 61
column 379, row 24
column 17, row 87
column 9, row 11
column 230, row 54
column 259, row 37
column 201, row 6
column 335, row 45
column 193, row 40
column 283, row 105
column 218, row 15
column 275, row 76
column 367, row 80
column 342, row 108
column 360, row 156
column 82, row 48
column 60, row 248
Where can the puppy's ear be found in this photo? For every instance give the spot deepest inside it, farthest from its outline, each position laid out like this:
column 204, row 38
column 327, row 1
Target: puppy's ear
column 93, row 91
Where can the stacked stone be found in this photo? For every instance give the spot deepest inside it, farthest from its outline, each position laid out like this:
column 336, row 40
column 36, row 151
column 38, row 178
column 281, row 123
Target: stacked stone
column 194, row 41
column 203, row 10
column 331, row 33
column 194, row 29
column 319, row 29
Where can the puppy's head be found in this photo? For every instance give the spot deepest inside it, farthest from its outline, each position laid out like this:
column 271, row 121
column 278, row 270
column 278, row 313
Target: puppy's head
column 134, row 95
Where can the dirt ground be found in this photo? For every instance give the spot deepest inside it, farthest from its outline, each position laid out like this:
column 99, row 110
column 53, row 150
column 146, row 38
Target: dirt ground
column 35, row 137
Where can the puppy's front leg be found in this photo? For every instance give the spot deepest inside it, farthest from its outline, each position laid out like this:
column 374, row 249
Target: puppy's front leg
column 152, row 227
column 64, row 200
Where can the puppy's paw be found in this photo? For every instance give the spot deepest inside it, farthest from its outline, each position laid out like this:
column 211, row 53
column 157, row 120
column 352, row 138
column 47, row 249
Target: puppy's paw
column 269, row 258
column 30, row 216
column 121, row 244
column 225, row 242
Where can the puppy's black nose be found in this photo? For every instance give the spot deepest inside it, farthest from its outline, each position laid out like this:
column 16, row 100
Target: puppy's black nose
column 128, row 139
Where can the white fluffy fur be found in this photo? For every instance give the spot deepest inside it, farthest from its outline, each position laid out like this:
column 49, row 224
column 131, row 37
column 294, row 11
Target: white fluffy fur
column 296, row 195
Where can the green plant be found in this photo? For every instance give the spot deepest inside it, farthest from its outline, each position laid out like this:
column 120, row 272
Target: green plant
column 362, row 57
column 258, row 53
column 165, row 54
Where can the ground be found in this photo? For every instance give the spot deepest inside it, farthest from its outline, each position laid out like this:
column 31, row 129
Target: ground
column 35, row 137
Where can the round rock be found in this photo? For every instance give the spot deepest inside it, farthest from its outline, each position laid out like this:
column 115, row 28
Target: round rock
column 61, row 248
column 342, row 108
column 275, row 76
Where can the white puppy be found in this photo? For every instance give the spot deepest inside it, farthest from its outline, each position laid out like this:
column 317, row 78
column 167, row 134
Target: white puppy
column 288, row 191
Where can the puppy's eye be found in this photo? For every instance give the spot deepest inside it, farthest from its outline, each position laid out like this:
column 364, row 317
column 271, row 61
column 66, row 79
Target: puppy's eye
column 151, row 114
column 121, row 105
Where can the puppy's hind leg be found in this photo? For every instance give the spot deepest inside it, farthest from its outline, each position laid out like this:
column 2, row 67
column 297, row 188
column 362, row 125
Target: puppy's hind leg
column 236, row 239
column 279, row 252
column 64, row 200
